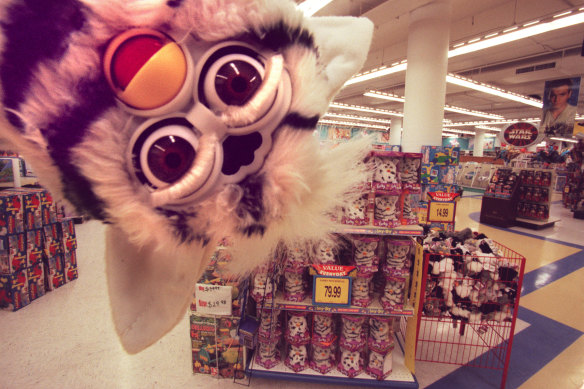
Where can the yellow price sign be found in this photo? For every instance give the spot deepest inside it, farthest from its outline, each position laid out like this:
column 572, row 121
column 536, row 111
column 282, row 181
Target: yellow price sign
column 441, row 212
column 331, row 290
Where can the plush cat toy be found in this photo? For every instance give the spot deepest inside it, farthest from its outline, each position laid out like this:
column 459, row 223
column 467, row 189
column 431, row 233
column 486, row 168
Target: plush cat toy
column 177, row 123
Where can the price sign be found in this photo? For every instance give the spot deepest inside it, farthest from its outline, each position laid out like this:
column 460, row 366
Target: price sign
column 213, row 299
column 332, row 291
column 441, row 212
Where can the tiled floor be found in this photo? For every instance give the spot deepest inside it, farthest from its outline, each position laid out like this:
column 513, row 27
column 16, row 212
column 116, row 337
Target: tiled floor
column 66, row 338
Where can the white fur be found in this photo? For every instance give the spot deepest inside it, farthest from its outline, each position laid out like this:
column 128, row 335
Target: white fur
column 304, row 184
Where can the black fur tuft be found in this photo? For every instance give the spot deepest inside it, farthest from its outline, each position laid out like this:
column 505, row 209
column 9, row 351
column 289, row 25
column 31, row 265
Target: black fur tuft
column 67, row 132
column 280, row 36
column 294, row 119
column 36, row 31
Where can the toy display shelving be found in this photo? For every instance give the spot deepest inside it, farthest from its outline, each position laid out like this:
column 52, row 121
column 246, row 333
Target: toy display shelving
column 402, row 375
column 535, row 192
column 476, row 327
column 519, row 196
column 384, row 212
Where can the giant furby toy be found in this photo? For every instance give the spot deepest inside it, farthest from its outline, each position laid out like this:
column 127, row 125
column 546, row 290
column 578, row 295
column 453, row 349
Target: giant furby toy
column 178, row 123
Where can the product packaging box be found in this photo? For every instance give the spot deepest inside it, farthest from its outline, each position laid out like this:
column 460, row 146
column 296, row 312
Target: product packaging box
column 12, row 253
column 32, row 210
column 203, row 344
column 36, row 281
column 48, row 208
column 440, row 155
column 216, row 348
column 52, row 241
column 11, row 212
column 70, row 265
column 35, row 244
column 54, row 272
column 14, row 290
column 67, row 235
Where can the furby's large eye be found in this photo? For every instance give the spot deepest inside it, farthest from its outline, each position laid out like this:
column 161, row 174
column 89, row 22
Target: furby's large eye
column 236, row 81
column 231, row 78
column 145, row 68
column 164, row 152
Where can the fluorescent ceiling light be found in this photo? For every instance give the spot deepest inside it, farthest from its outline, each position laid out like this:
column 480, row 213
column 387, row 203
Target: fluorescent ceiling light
column 365, row 109
column 493, row 122
column 471, row 112
column 379, row 72
column 493, row 90
column 489, row 128
column 353, row 124
column 310, row 7
column 490, row 40
column 450, row 108
column 570, row 140
column 384, row 96
column 355, row 117
column 459, row 131
column 516, row 33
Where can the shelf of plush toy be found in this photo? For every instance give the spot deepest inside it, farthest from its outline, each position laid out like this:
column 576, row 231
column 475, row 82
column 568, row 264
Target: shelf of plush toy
column 375, row 308
column 407, row 230
column 400, row 376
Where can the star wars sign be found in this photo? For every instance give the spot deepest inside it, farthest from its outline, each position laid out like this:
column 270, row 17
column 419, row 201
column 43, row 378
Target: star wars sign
column 521, row 134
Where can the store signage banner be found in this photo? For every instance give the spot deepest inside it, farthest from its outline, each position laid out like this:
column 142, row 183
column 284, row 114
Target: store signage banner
column 560, row 100
column 521, row 134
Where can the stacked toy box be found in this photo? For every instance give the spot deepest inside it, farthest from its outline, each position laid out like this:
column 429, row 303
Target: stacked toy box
column 215, row 343
column 37, row 249
column 440, row 167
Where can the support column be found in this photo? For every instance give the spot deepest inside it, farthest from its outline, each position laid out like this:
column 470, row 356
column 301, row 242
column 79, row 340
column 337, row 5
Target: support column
column 479, row 143
column 427, row 56
column 395, row 132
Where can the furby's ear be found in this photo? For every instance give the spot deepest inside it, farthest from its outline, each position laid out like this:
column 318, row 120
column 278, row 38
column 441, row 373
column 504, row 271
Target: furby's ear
column 343, row 44
column 150, row 289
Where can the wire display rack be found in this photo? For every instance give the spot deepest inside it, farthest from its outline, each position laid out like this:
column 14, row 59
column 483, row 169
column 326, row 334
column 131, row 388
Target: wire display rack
column 468, row 308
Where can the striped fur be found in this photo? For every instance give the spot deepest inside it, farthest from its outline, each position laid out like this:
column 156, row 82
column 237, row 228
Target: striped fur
column 60, row 114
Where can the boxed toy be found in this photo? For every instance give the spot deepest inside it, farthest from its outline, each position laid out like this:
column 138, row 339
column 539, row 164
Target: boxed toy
column 230, row 352
column 48, row 208
column 440, row 155
column 386, row 173
column 52, row 242
column 215, row 345
column 410, row 171
column 34, row 246
column 12, row 253
column 70, row 266
column 36, row 281
column 11, row 212
column 54, row 272
column 66, row 230
column 14, row 291
column 32, row 209
column 203, row 344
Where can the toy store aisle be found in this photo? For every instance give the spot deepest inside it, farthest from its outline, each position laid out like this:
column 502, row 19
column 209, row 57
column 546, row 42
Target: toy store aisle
column 66, row 338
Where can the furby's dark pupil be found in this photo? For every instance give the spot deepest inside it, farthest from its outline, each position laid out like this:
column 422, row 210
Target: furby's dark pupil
column 236, row 82
column 170, row 157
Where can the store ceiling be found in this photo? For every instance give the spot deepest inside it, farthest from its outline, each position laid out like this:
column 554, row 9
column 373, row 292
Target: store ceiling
column 558, row 53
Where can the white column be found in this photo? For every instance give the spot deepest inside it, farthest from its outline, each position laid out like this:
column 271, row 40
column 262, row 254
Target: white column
column 479, row 143
column 395, row 132
column 427, row 56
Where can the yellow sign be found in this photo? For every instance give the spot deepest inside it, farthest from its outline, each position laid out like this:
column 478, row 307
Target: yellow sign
column 332, row 290
column 441, row 212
